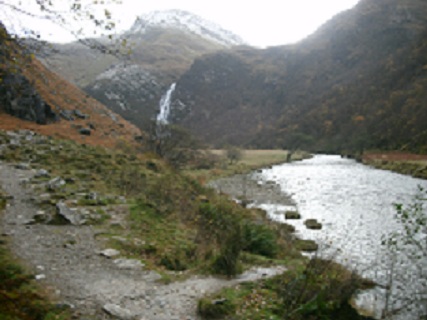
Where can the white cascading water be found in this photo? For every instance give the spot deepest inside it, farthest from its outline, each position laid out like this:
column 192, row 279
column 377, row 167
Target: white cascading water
column 165, row 103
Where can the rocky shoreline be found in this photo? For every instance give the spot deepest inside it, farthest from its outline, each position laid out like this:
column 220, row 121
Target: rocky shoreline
column 247, row 189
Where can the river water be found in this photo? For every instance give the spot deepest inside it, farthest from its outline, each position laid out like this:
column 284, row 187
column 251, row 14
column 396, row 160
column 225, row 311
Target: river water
column 354, row 203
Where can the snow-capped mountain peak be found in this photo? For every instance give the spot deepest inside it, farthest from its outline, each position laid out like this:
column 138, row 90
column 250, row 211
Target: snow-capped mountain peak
column 187, row 22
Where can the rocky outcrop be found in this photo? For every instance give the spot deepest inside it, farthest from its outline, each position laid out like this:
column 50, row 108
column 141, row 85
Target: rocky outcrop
column 20, row 99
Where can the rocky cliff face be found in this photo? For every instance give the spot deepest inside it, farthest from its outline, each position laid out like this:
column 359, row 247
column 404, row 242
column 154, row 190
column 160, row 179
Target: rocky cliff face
column 20, row 99
column 356, row 83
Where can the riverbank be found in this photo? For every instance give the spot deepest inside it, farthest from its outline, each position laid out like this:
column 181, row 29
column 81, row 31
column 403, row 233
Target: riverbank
column 404, row 163
column 275, row 298
column 249, row 160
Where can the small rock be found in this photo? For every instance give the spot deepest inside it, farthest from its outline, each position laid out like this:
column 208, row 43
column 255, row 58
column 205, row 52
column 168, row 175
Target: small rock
column 129, row 264
column 41, row 173
column 118, row 312
column 110, row 253
column 24, row 181
column 67, row 115
column 70, row 215
column 40, row 277
column 313, row 224
column 56, row 183
column 23, row 166
column 80, row 115
column 85, row 131
column 292, row 215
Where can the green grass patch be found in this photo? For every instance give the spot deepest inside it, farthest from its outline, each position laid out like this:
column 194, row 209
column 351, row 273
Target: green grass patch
column 317, row 289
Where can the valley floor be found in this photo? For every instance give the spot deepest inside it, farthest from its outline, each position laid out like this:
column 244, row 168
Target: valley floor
column 67, row 259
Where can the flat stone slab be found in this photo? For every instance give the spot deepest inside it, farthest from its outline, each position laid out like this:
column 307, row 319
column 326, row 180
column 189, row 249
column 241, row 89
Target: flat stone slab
column 109, row 253
column 118, row 312
column 129, row 264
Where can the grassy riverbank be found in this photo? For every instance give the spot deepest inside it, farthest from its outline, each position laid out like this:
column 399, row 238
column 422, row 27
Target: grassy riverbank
column 250, row 160
column 404, row 163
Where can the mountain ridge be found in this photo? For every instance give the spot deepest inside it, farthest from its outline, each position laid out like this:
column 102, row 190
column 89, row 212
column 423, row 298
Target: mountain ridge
column 329, row 92
column 187, row 22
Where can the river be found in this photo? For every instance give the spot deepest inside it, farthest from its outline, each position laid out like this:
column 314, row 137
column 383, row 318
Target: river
column 354, row 203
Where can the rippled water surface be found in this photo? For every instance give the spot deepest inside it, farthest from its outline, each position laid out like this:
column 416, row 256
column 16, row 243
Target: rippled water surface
column 355, row 205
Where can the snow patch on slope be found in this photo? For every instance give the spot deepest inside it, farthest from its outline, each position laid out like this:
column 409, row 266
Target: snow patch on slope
column 187, row 22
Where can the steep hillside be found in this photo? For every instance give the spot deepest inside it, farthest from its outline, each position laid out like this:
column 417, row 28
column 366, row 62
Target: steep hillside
column 358, row 82
column 35, row 98
column 158, row 48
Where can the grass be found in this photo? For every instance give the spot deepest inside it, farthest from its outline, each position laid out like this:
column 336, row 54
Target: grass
column 404, row 163
column 318, row 289
column 250, row 160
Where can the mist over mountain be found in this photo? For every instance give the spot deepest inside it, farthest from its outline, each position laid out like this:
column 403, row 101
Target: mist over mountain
column 358, row 82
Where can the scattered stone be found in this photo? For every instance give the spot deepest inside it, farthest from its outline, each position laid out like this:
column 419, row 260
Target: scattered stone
column 292, row 215
column 306, row 245
column 203, row 199
column 41, row 217
column 40, row 277
column 24, row 181
column 313, row 224
column 113, row 117
column 118, row 312
column 129, row 264
column 110, row 253
column 67, row 115
column 23, row 166
column 56, row 183
column 70, row 215
column 120, row 239
column 85, row 131
column 41, row 173
column 80, row 115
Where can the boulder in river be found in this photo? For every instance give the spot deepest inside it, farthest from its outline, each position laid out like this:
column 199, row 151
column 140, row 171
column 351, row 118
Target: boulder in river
column 292, row 215
column 306, row 245
column 313, row 224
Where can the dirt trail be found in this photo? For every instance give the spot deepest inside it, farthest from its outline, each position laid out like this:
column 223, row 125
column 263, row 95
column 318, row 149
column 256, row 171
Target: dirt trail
column 67, row 259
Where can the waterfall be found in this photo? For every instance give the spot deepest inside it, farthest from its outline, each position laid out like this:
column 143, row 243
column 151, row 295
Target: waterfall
column 165, row 103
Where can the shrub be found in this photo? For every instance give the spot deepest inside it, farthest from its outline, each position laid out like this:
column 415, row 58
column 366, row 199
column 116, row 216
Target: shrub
column 215, row 309
column 259, row 239
column 220, row 224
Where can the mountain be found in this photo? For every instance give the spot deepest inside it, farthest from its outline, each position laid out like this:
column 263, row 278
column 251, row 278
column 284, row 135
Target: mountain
column 162, row 46
column 358, row 82
column 188, row 23
column 34, row 98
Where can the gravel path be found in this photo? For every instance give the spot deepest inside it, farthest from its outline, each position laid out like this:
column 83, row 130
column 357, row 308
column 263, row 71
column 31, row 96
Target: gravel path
column 67, row 259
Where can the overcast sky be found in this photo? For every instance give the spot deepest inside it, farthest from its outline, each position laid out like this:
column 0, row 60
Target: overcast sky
column 260, row 23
